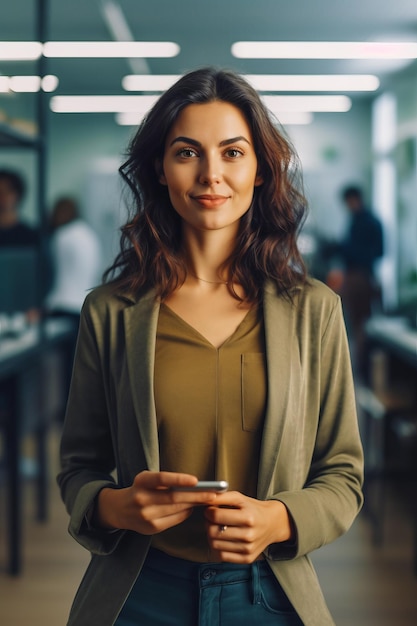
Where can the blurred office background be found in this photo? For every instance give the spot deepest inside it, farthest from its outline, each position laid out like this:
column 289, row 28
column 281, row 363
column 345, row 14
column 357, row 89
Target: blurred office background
column 351, row 111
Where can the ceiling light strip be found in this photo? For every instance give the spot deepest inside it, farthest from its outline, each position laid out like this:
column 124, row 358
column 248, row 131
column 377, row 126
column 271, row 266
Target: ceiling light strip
column 110, row 49
column 102, row 104
column 324, row 50
column 141, row 104
column 313, row 82
column 20, row 50
column 149, row 82
column 295, row 118
column 32, row 50
column 267, row 82
column 28, row 84
column 323, row 104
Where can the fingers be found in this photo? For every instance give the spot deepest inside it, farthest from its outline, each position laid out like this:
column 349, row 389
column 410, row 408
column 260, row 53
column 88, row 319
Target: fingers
column 233, row 544
column 150, row 504
column 236, row 528
column 224, row 534
column 230, row 509
column 164, row 480
column 165, row 488
column 158, row 522
column 229, row 529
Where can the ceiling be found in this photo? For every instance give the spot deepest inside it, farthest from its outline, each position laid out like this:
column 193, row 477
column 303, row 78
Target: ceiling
column 205, row 31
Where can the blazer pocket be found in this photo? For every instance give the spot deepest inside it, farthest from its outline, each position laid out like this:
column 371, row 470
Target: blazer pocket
column 253, row 390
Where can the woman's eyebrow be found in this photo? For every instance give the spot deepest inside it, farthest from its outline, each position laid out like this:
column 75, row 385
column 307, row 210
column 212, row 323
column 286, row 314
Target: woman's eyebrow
column 181, row 139
column 194, row 142
column 227, row 142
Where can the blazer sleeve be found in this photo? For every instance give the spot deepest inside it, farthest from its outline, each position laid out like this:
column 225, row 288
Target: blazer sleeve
column 87, row 459
column 332, row 495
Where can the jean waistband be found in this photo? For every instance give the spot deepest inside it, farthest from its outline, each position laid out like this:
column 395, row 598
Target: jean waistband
column 181, row 568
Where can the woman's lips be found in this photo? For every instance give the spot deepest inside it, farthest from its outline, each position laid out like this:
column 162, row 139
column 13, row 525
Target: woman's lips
column 210, row 200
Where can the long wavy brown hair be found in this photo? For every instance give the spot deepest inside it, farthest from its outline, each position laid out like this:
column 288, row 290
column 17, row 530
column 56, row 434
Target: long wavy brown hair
column 151, row 254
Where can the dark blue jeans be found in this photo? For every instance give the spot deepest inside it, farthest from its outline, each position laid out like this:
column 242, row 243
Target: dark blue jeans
column 173, row 592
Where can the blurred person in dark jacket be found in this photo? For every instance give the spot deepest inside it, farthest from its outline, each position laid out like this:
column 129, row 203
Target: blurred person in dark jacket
column 13, row 232
column 357, row 253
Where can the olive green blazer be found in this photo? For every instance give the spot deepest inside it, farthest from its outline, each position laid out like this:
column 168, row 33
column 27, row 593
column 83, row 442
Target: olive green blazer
column 311, row 455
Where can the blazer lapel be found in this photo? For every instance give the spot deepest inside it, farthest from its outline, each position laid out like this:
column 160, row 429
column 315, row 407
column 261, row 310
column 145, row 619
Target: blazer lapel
column 141, row 321
column 283, row 381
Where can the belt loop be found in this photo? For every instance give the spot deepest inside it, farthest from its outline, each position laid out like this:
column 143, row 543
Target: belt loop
column 256, row 583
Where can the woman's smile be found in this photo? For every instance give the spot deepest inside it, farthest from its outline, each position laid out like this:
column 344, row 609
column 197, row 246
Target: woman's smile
column 211, row 200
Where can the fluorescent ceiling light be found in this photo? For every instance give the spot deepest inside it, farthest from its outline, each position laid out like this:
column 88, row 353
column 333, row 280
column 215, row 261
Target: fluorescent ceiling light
column 102, row 104
column 324, row 50
column 50, row 82
column 324, row 104
column 311, row 82
column 267, row 82
column 28, row 84
column 25, row 83
column 149, row 82
column 119, row 29
column 129, row 119
column 107, row 49
column 295, row 118
column 139, row 105
column 20, row 50
column 4, row 84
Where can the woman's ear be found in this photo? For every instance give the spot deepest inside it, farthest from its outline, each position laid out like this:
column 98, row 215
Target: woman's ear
column 160, row 172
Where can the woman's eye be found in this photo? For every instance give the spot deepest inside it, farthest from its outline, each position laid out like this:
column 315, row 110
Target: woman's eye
column 187, row 153
column 234, row 153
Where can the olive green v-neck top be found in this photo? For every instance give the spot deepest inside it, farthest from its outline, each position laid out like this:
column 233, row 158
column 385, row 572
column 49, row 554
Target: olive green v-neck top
column 210, row 407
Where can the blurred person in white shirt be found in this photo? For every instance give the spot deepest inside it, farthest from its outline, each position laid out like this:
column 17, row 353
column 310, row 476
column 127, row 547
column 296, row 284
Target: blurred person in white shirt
column 76, row 260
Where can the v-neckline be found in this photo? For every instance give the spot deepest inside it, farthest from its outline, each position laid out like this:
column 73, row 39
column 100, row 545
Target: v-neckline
column 197, row 332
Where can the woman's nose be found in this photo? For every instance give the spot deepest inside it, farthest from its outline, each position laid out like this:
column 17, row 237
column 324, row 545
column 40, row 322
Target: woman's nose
column 210, row 171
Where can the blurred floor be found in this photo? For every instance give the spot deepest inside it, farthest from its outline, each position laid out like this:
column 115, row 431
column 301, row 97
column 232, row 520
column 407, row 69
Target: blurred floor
column 364, row 585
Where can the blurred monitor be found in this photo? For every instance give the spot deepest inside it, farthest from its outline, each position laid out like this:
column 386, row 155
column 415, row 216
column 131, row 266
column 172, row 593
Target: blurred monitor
column 19, row 277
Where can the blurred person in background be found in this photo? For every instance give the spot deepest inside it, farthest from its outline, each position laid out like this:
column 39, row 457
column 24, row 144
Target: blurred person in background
column 76, row 262
column 22, row 242
column 17, row 236
column 355, row 280
column 13, row 232
column 209, row 354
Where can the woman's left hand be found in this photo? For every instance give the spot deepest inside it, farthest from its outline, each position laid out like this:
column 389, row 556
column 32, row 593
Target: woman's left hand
column 239, row 528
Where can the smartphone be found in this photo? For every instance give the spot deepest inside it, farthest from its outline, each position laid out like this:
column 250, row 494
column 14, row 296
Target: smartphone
column 206, row 485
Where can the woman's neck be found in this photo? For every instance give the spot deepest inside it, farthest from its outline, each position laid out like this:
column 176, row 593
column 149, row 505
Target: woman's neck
column 206, row 256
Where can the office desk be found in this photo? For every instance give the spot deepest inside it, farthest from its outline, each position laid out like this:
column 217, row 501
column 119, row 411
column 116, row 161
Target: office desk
column 18, row 357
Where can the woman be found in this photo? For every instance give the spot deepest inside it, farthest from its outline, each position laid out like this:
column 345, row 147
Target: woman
column 210, row 355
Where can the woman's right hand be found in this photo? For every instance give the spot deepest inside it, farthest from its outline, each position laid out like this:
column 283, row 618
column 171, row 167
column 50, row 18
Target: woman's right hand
column 149, row 505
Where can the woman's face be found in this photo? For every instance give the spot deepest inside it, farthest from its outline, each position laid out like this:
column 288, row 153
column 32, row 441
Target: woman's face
column 210, row 166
